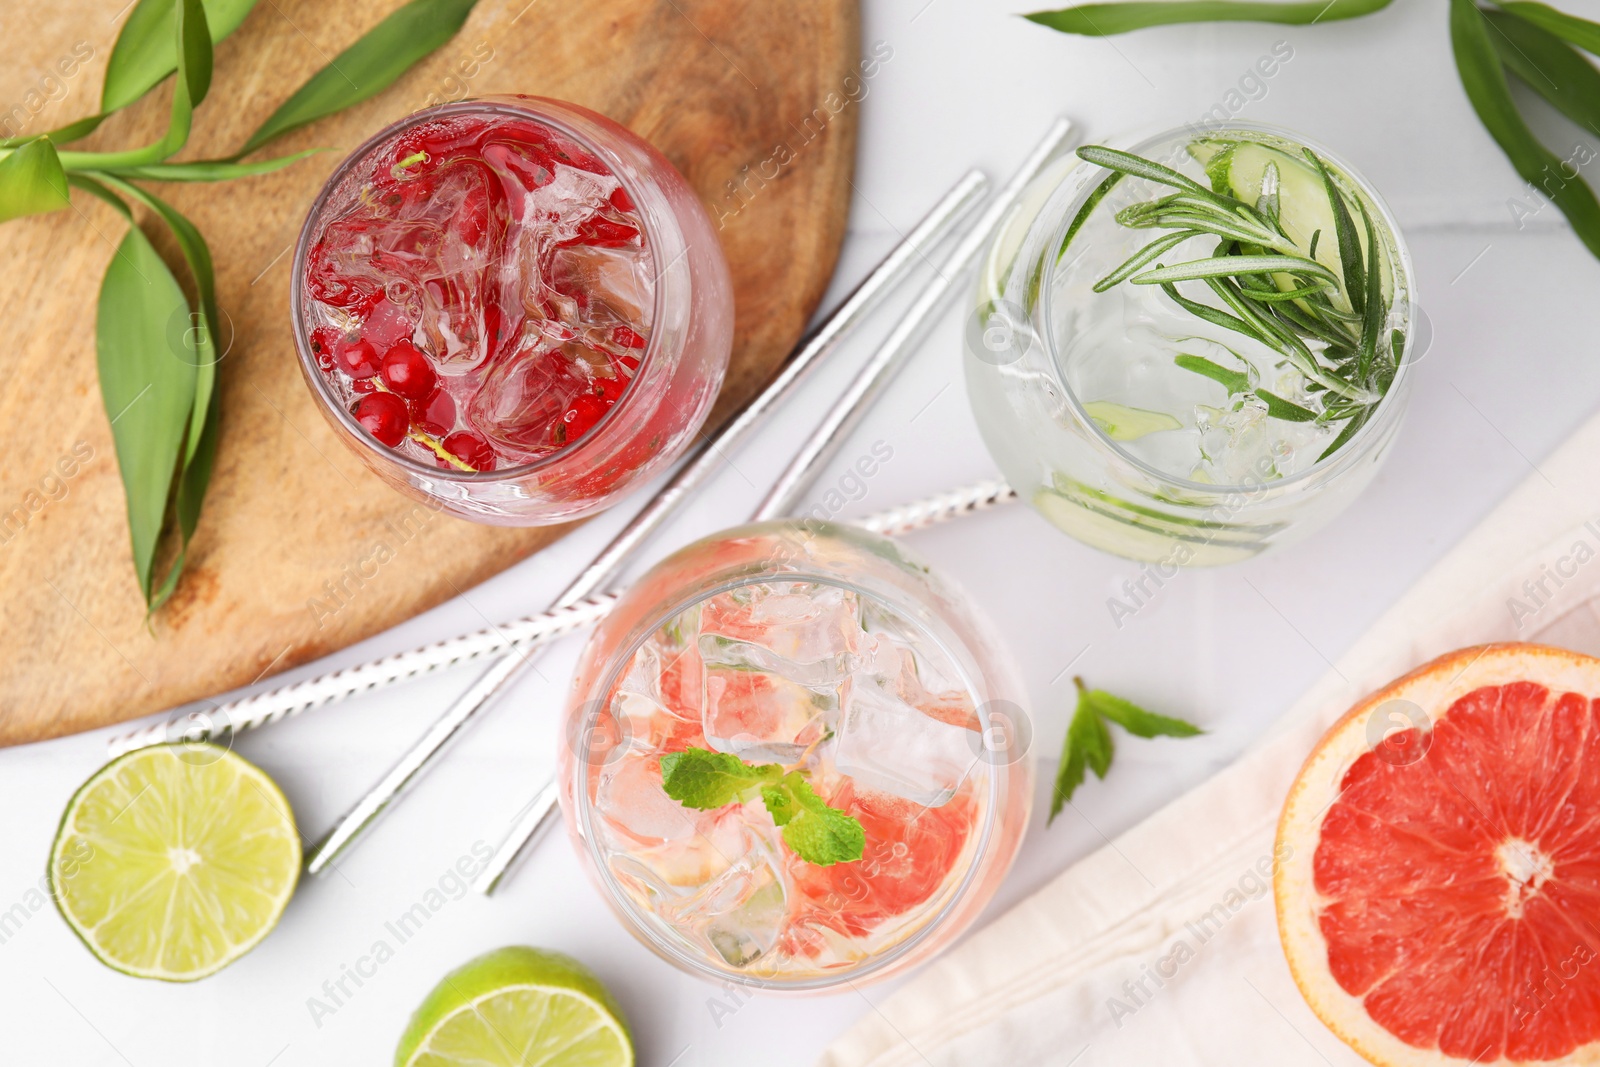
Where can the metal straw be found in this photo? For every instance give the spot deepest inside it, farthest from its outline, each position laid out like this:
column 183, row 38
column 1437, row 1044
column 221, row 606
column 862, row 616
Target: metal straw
column 825, row 442
column 846, row 412
column 944, row 218
column 916, row 515
column 217, row 722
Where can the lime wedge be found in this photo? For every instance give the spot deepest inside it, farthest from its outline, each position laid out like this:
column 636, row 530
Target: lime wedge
column 172, row 862
column 517, row 1007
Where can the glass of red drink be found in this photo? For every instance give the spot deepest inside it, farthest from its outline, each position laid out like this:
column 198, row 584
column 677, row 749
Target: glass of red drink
column 811, row 653
column 513, row 306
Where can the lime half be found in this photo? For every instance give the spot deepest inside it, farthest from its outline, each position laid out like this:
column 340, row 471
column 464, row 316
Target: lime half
column 174, row 861
column 517, row 1007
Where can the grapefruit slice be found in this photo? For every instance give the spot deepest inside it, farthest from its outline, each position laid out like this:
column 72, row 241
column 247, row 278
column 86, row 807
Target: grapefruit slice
column 1438, row 891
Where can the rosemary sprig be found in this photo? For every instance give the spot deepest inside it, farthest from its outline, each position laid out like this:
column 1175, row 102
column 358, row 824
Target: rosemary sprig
column 1327, row 324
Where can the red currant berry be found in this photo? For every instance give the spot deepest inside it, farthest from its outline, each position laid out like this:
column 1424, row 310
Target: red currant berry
column 358, row 359
column 470, row 449
column 384, row 416
column 581, row 415
column 621, row 200
column 407, row 371
column 325, row 341
column 610, row 390
column 435, row 415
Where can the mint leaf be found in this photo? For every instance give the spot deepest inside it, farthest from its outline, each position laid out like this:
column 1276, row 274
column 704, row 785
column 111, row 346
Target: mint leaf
column 1137, row 721
column 1088, row 745
column 700, row 778
column 818, row 834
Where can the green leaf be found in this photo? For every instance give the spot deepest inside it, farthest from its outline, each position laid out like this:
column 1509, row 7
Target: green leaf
column 1550, row 66
column 1570, row 28
column 193, row 44
column 818, row 834
column 706, row 780
column 1102, row 20
column 1287, row 410
column 145, row 52
column 194, row 37
column 1126, row 163
column 1232, row 380
column 72, row 131
column 1088, row 745
column 1372, row 318
column 1233, row 266
column 148, row 389
column 1137, row 721
column 367, row 67
column 1149, row 253
column 1485, row 82
column 32, row 181
column 201, row 332
column 1087, row 209
column 1344, row 229
column 1355, row 423
column 211, row 170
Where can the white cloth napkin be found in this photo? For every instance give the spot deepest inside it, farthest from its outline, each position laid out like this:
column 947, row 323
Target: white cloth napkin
column 1162, row 948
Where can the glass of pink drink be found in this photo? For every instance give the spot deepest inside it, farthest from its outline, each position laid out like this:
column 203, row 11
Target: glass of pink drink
column 512, row 306
column 812, row 648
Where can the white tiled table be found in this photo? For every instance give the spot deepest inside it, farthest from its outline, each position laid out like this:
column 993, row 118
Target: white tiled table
column 1512, row 371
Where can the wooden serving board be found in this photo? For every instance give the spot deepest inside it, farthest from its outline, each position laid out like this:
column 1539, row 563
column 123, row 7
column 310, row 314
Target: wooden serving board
column 723, row 87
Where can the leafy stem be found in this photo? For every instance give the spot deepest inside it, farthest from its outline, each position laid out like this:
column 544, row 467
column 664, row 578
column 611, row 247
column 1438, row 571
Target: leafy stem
column 705, row 780
column 158, row 380
column 1088, row 745
column 1494, row 43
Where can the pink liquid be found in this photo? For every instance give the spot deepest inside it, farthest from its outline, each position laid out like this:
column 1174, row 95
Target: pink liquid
column 482, row 295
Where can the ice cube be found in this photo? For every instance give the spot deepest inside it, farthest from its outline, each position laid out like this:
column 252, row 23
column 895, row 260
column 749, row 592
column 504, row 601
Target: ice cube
column 586, row 283
column 918, row 677
column 887, row 744
column 930, row 667
column 764, row 718
column 746, row 932
column 681, row 875
column 806, row 632
column 523, row 396
column 630, row 795
column 559, row 207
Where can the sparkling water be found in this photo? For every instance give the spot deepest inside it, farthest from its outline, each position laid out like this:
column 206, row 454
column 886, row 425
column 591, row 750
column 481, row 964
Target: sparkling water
column 1116, row 350
column 818, row 678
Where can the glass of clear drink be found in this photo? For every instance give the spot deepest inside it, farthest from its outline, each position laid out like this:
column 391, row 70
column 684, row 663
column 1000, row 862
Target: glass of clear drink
column 512, row 306
column 1173, row 357
column 825, row 660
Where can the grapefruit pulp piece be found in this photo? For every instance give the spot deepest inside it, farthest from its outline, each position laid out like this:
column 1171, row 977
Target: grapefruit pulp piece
column 1438, row 891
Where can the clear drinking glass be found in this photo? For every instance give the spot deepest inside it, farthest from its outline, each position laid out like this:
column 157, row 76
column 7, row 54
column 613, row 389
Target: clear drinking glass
column 513, row 306
column 820, row 648
column 1080, row 394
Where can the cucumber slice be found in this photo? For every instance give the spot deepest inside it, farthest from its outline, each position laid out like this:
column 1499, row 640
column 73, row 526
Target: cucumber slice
column 1122, row 423
column 1239, row 169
